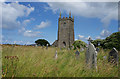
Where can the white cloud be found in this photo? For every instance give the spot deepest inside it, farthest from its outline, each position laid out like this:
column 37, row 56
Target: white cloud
column 105, row 33
column 18, row 42
column 21, row 30
column 60, row 0
column 104, row 11
column 2, row 0
column 98, row 37
column 80, row 36
column 78, row 0
column 11, row 12
column 76, row 39
column 28, row 43
column 30, row 33
column 43, row 24
column 25, row 22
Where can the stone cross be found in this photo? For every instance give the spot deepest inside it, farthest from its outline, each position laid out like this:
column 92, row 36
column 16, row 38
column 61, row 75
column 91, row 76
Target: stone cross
column 89, row 40
column 91, row 55
column 113, row 56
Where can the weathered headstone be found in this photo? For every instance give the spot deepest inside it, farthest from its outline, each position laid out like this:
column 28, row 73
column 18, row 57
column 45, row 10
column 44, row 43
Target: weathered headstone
column 113, row 56
column 81, row 49
column 39, row 44
column 47, row 46
column 36, row 45
column 56, row 55
column 77, row 53
column 91, row 55
column 68, row 48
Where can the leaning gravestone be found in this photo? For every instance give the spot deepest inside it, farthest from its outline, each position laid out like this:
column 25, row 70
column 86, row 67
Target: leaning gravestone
column 91, row 55
column 113, row 56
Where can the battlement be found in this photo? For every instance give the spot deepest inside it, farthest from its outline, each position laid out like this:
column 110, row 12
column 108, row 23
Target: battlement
column 66, row 18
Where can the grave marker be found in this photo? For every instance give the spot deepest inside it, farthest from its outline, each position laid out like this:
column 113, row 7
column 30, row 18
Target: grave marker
column 47, row 46
column 81, row 49
column 113, row 56
column 91, row 55
column 36, row 45
column 56, row 55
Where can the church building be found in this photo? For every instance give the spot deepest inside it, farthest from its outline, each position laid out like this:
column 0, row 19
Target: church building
column 65, row 32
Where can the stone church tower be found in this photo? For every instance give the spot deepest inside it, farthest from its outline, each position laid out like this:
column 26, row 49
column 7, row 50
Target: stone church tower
column 65, row 32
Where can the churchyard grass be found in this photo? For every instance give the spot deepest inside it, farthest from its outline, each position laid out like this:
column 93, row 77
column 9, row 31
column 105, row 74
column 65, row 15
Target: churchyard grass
column 37, row 62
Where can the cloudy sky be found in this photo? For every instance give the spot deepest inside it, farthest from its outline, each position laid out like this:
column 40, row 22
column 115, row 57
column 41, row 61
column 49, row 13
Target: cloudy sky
column 25, row 22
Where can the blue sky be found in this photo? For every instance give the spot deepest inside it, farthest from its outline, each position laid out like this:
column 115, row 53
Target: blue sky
column 25, row 22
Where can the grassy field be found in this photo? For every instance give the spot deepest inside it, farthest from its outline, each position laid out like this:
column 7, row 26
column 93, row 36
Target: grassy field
column 38, row 62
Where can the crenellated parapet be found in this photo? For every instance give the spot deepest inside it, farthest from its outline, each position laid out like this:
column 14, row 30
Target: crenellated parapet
column 66, row 18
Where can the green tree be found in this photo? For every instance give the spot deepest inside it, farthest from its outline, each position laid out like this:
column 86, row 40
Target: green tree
column 42, row 42
column 97, row 42
column 113, row 41
column 79, row 44
column 108, row 43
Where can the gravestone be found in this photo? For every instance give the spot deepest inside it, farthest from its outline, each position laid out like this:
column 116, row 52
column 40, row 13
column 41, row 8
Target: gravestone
column 81, row 49
column 36, row 45
column 91, row 56
column 56, row 55
column 77, row 53
column 39, row 44
column 47, row 46
column 97, row 49
column 113, row 56
column 68, row 48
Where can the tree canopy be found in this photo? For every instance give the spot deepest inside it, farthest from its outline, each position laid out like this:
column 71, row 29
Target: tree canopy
column 42, row 42
column 108, row 43
column 79, row 44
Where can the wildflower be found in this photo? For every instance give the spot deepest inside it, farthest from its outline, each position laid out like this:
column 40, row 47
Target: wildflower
column 3, row 75
column 105, row 57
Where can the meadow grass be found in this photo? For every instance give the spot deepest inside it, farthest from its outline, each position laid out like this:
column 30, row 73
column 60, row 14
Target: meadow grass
column 37, row 62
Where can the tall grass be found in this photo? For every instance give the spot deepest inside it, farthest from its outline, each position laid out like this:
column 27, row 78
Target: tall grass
column 38, row 62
